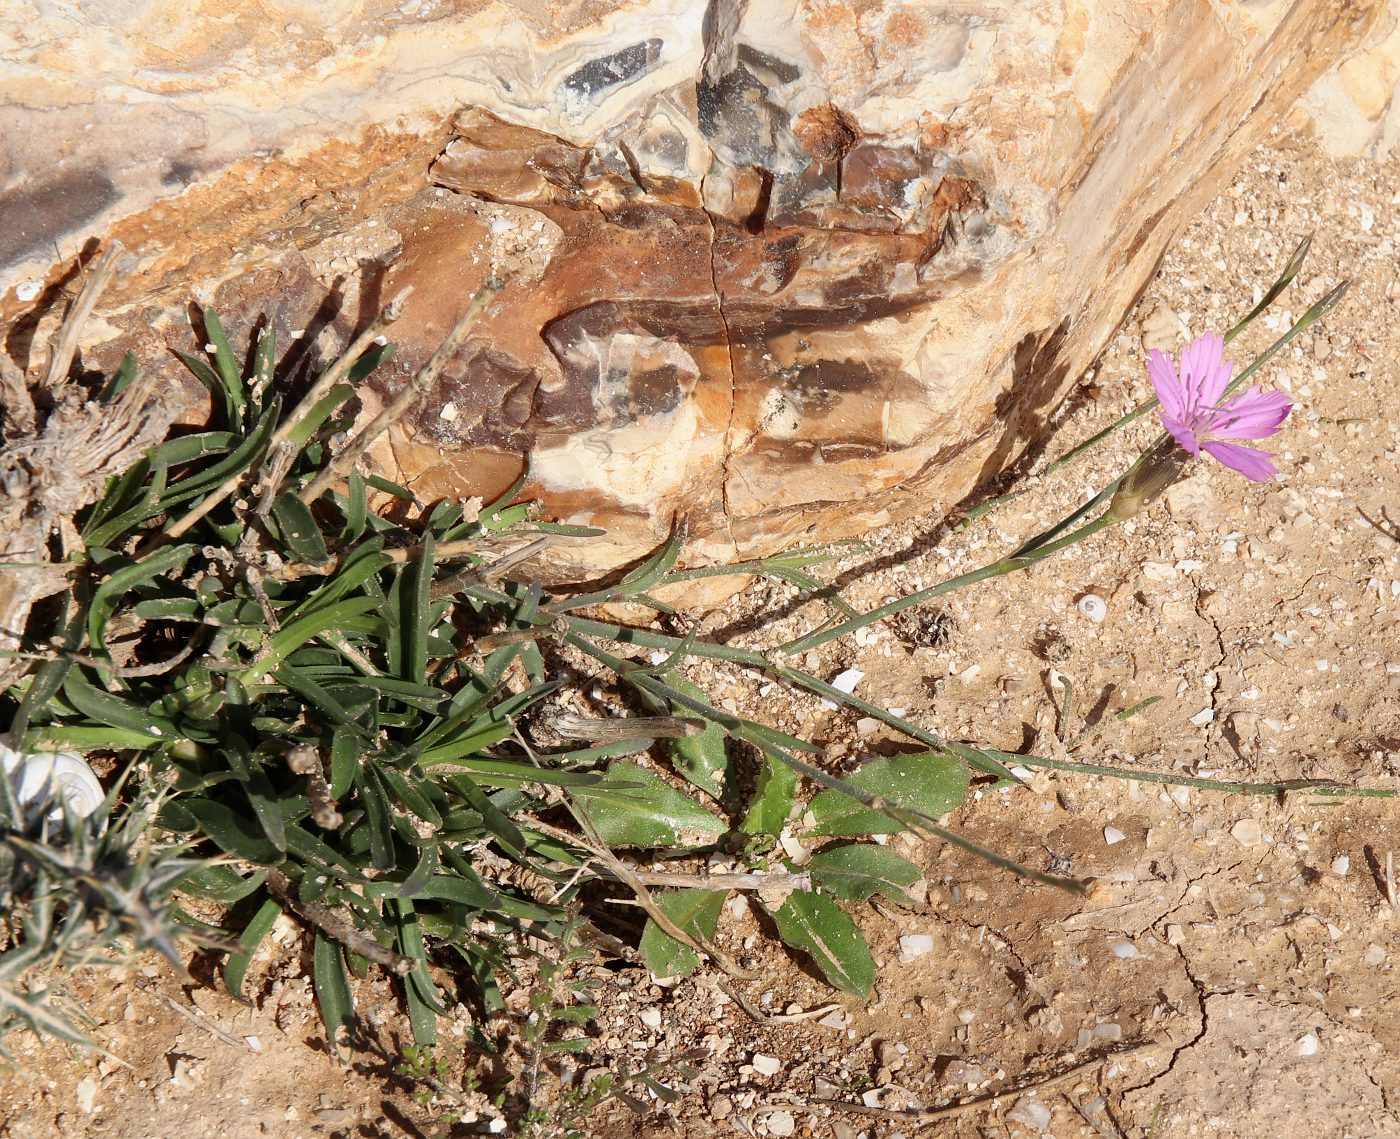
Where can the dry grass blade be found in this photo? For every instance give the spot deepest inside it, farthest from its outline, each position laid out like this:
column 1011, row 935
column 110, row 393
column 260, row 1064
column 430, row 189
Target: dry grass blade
column 51, row 470
column 337, row 926
column 427, row 375
column 65, row 345
column 341, row 368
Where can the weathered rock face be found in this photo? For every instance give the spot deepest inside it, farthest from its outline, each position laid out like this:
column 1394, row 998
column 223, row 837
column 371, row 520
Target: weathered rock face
column 789, row 267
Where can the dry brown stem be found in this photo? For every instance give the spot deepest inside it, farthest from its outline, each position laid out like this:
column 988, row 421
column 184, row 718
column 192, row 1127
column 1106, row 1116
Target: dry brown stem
column 51, row 470
column 345, row 461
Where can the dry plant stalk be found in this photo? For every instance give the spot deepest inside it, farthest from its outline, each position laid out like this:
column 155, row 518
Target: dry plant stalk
column 344, row 462
column 52, row 465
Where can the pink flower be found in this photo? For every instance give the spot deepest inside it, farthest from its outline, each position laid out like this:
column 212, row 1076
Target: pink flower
column 1193, row 413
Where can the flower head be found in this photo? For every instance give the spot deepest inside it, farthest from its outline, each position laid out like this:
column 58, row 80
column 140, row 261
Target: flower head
column 1193, row 413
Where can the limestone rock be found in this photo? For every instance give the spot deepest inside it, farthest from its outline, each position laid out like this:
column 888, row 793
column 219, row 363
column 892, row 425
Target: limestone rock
column 787, row 267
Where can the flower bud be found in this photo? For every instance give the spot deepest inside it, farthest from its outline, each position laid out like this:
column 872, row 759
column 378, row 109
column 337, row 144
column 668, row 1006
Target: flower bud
column 1150, row 476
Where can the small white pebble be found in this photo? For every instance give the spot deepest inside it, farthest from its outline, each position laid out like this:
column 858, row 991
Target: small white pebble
column 27, row 290
column 1031, row 1113
column 1108, row 1031
column 766, row 1065
column 1308, row 1045
column 1125, row 949
column 1112, row 835
column 780, row 1123
column 845, row 681
column 1247, row 832
column 1203, row 717
column 1374, row 955
column 1340, row 865
column 913, row 945
column 86, row 1094
column 254, row 1044
column 651, row 1017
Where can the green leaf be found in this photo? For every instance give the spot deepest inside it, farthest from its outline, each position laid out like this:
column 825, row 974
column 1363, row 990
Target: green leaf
column 235, row 833
column 253, row 933
column 695, row 911
column 113, row 711
column 424, row 1007
column 120, row 379
column 219, row 882
column 346, row 746
column 261, row 795
column 411, row 617
column 818, row 927
column 853, row 873
column 355, row 508
column 303, row 629
column 659, row 564
column 771, row 806
column 701, row 760
column 147, row 505
column 160, row 564
column 379, row 818
column 301, row 434
column 331, row 981
column 632, row 806
column 299, row 529
column 928, row 782
column 63, row 738
column 230, row 373
column 243, row 457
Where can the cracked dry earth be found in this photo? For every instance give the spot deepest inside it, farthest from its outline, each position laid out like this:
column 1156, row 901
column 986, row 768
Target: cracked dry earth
column 1232, row 970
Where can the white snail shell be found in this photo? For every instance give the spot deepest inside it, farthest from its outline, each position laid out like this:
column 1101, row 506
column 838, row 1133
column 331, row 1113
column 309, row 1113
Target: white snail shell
column 45, row 778
column 1093, row 607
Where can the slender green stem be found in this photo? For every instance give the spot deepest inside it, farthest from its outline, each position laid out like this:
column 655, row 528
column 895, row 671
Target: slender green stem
column 1009, row 564
column 1316, row 786
column 1290, row 270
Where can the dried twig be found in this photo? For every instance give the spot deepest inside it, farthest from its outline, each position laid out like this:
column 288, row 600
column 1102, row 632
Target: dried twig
column 203, row 1022
column 305, row 760
column 337, row 926
column 65, row 345
column 51, row 470
column 666, row 879
column 15, row 399
column 341, row 368
column 952, row 1111
column 775, row 1018
column 328, row 380
column 344, row 462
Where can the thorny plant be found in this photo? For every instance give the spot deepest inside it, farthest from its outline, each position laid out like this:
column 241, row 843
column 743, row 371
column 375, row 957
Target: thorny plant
column 322, row 682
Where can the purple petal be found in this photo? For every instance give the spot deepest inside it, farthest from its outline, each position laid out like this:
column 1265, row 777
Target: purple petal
column 1184, row 436
column 1253, row 415
column 1164, row 382
column 1204, row 372
column 1249, row 461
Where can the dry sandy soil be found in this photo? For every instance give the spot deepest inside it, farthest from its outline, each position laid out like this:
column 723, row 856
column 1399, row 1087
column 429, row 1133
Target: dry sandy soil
column 1232, row 972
